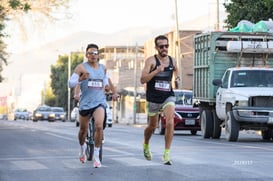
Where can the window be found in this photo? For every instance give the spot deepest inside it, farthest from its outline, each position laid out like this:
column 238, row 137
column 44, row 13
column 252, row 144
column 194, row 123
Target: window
column 183, row 97
column 225, row 79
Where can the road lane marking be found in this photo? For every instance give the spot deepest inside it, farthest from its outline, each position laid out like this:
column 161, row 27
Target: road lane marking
column 131, row 161
column 117, row 151
column 27, row 165
column 36, row 158
column 60, row 136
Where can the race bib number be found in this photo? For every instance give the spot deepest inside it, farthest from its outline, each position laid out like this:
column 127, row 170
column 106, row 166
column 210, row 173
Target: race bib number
column 95, row 84
column 162, row 85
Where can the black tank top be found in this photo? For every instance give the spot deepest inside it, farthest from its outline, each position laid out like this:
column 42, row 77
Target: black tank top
column 159, row 88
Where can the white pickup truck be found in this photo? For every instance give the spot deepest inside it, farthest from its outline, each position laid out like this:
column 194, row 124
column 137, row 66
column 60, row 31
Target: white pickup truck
column 233, row 83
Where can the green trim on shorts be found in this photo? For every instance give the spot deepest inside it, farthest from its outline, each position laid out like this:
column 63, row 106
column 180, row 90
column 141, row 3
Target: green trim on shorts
column 163, row 107
column 151, row 114
column 168, row 103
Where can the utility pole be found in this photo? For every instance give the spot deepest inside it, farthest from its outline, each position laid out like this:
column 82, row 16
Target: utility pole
column 178, row 47
column 135, row 82
column 68, row 89
column 217, row 15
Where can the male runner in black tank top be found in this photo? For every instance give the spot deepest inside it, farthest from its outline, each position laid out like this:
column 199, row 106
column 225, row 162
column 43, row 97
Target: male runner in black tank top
column 157, row 74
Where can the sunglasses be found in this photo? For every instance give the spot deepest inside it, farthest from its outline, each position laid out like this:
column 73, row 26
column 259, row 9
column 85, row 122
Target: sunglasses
column 93, row 53
column 162, row 46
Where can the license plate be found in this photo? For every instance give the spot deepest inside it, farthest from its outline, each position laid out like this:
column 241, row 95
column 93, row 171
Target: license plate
column 189, row 122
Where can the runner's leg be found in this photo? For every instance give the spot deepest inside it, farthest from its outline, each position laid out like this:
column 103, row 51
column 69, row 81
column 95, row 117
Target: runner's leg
column 98, row 116
column 149, row 130
column 169, row 115
column 82, row 135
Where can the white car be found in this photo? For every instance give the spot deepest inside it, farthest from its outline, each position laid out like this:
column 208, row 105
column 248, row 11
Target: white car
column 109, row 120
column 22, row 114
column 75, row 116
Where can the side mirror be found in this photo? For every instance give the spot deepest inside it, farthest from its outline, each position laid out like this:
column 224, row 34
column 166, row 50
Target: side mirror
column 217, row 82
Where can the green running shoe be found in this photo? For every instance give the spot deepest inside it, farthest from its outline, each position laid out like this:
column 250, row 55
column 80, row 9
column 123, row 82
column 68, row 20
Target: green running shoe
column 147, row 152
column 166, row 158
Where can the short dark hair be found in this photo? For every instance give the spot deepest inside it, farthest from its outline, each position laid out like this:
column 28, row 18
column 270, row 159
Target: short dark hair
column 160, row 37
column 92, row 45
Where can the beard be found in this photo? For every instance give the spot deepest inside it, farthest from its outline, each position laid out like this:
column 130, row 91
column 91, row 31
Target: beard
column 163, row 53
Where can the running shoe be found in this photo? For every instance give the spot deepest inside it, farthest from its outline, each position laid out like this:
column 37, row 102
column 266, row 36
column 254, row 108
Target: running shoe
column 96, row 164
column 82, row 157
column 166, row 158
column 147, row 152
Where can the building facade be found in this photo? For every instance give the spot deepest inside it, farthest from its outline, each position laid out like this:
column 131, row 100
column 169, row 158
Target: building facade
column 125, row 63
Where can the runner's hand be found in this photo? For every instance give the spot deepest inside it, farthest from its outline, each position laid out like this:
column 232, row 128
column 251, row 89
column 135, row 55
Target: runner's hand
column 84, row 76
column 115, row 97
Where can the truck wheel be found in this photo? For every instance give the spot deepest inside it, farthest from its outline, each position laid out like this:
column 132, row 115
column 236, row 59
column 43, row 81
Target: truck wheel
column 232, row 127
column 206, row 124
column 216, row 131
column 267, row 134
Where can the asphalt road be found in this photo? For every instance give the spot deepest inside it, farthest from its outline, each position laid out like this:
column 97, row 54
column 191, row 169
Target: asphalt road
column 49, row 151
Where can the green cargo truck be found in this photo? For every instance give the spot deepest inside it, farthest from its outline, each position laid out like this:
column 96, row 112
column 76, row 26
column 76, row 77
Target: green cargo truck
column 233, row 83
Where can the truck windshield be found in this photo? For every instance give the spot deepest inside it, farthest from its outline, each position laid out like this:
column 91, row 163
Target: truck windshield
column 183, row 98
column 252, row 78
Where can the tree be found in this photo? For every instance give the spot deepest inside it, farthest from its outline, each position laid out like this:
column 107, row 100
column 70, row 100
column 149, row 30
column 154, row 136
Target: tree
column 59, row 78
column 251, row 10
column 48, row 96
column 7, row 7
column 15, row 10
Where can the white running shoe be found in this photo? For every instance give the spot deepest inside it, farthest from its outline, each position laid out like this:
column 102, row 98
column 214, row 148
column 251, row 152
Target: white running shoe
column 96, row 164
column 82, row 157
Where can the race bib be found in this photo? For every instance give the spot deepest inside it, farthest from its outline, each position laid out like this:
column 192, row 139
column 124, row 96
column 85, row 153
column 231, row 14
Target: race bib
column 162, row 85
column 95, row 84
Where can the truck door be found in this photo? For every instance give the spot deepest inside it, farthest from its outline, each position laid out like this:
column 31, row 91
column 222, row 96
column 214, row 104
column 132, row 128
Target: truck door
column 220, row 94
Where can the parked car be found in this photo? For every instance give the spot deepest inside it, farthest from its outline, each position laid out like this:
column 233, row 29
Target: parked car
column 186, row 115
column 22, row 113
column 59, row 113
column 3, row 117
column 43, row 113
column 75, row 116
column 109, row 116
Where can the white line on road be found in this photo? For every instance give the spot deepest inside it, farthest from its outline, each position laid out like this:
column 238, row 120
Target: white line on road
column 63, row 137
column 27, row 165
